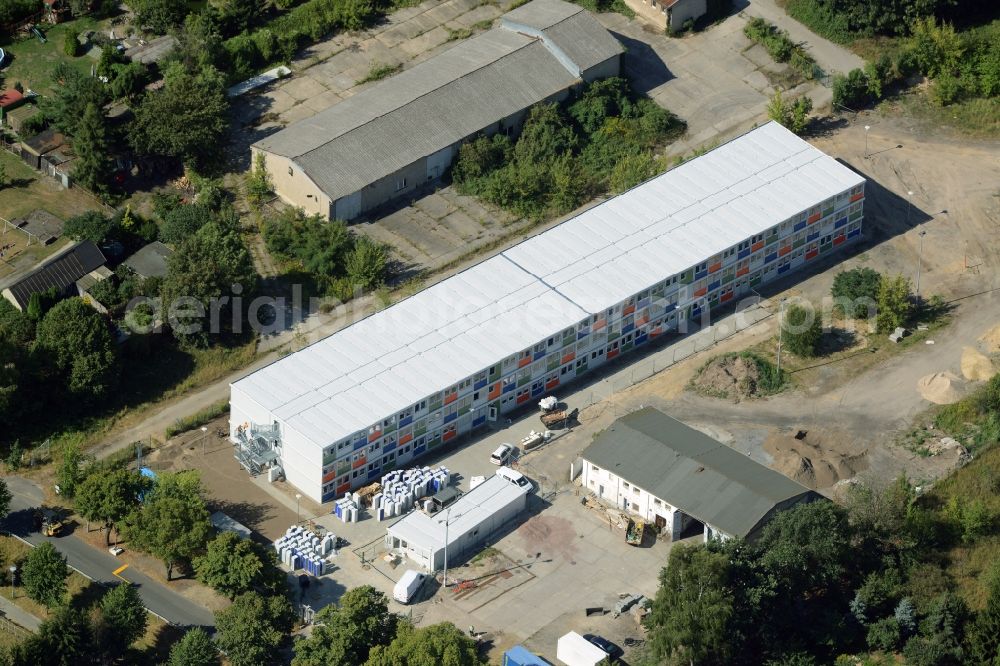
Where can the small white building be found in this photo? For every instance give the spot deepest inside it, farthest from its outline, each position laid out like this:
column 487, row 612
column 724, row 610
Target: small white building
column 679, row 479
column 572, row 649
column 471, row 520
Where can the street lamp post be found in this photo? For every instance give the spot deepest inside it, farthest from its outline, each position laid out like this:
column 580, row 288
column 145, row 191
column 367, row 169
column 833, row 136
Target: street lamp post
column 447, row 520
column 204, row 438
column 867, row 127
column 781, row 330
column 920, row 253
column 13, row 572
column 909, row 205
column 298, row 496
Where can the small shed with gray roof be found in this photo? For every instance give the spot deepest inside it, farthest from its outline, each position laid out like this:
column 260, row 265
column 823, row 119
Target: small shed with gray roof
column 150, row 260
column 386, row 141
column 683, row 481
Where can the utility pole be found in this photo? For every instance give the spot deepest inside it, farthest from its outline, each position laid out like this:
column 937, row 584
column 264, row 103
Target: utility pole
column 867, row 127
column 781, row 330
column 447, row 519
column 909, row 205
column 920, row 253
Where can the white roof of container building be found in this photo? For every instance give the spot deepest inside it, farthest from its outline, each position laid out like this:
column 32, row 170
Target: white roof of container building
column 434, row 339
column 467, row 513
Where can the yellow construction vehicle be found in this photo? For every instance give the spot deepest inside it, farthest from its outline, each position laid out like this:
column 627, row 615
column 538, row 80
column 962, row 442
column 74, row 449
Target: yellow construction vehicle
column 48, row 522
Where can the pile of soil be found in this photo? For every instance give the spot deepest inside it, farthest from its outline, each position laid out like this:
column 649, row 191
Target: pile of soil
column 991, row 340
column 816, row 460
column 941, row 388
column 976, row 367
column 734, row 377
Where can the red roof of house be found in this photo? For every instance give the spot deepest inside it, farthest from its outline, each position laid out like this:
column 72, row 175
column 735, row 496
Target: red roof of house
column 10, row 97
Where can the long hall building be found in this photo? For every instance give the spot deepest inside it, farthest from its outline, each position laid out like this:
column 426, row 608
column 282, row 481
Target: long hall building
column 443, row 363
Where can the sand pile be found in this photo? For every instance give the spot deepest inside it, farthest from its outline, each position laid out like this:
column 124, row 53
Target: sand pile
column 817, row 460
column 733, row 377
column 991, row 340
column 941, row 388
column 976, row 367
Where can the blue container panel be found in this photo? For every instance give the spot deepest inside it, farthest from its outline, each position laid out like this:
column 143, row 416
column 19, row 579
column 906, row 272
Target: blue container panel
column 406, row 420
column 478, row 385
column 852, row 234
column 419, row 449
column 479, row 421
column 327, row 497
column 784, row 269
column 715, row 285
column 375, row 472
column 701, row 274
column 626, row 329
column 813, row 236
column 538, row 391
column 538, row 356
column 800, row 226
column 509, row 387
column 839, row 223
column 771, row 257
column 360, row 444
column 448, row 418
column 743, row 254
column 580, row 335
column 640, row 339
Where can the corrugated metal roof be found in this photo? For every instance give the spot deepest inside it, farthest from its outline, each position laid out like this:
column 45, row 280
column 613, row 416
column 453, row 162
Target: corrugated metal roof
column 62, row 271
column 437, row 103
column 569, row 28
column 691, row 471
column 430, row 341
column 468, row 512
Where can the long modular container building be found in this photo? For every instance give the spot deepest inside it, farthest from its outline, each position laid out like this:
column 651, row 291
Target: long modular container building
column 415, row 377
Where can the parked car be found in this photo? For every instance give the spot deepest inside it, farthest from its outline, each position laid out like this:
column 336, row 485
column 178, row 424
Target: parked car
column 604, row 645
column 502, row 455
column 514, row 477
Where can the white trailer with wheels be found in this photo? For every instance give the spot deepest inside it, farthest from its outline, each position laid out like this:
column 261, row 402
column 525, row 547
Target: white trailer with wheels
column 575, row 650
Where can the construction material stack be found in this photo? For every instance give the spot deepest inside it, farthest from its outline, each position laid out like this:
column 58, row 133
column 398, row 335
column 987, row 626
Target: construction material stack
column 301, row 548
column 401, row 489
column 347, row 508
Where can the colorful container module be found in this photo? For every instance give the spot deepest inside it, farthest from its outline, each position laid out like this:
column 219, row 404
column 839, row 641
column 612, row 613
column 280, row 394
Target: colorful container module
column 418, row 376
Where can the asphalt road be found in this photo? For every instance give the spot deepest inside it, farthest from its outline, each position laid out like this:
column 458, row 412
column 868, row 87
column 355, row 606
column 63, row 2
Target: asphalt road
column 98, row 564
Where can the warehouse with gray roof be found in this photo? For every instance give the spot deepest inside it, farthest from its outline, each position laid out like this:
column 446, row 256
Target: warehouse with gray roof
column 684, row 482
column 403, row 132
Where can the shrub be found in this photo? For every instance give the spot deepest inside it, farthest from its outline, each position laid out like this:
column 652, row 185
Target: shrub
column 793, row 116
column 851, row 91
column 182, row 222
column 884, row 634
column 894, row 304
column 71, row 46
column 855, row 291
column 801, row 330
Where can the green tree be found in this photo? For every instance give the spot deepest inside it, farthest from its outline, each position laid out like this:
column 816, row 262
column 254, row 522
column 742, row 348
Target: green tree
column 172, row 523
column 480, row 157
column 107, row 496
column 259, row 186
column 92, row 167
column 78, row 343
column 63, row 640
column 984, row 631
column 159, row 15
column 74, row 91
column 233, row 565
column 167, row 123
column 690, row 616
column 794, row 116
column 121, row 620
column 194, row 649
column 439, row 644
column 801, row 330
column 631, row 170
column 92, row 226
column 367, row 263
column 44, row 575
column 15, row 456
column 3, row 176
column 894, row 303
column 206, row 267
column 5, row 498
column 70, row 473
column 855, row 292
column 183, row 222
column 345, row 633
column 253, row 628
column 128, row 80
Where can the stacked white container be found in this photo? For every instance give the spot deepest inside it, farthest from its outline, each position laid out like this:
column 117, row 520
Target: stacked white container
column 302, row 549
column 401, row 489
column 346, row 508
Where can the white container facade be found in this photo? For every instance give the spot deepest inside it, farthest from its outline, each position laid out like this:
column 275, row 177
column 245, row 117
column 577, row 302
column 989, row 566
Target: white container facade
column 416, row 376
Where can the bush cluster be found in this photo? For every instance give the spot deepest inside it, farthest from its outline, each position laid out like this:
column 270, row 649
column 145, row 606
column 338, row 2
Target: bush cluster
column 781, row 48
column 601, row 139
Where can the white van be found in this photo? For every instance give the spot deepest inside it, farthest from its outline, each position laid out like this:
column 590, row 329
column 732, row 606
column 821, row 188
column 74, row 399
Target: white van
column 513, row 476
column 408, row 586
column 502, row 455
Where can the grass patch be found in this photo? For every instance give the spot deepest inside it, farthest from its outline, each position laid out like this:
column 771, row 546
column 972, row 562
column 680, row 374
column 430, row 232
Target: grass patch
column 820, row 19
column 31, row 62
column 79, row 588
column 484, row 554
column 378, row 72
column 977, row 117
column 27, row 191
column 201, row 417
column 459, row 33
column 485, row 24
